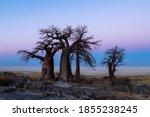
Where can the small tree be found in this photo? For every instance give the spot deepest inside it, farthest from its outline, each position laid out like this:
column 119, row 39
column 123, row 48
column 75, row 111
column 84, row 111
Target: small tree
column 113, row 58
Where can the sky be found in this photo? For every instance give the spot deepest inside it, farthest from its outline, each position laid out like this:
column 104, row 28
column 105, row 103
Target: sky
column 125, row 23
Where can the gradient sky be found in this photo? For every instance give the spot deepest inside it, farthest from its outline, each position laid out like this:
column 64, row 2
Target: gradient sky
column 125, row 23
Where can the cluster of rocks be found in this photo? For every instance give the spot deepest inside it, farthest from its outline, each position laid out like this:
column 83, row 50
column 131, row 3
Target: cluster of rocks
column 134, row 88
column 24, row 88
column 131, row 87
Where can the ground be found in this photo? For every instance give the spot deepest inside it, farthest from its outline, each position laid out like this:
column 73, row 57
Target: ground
column 29, row 86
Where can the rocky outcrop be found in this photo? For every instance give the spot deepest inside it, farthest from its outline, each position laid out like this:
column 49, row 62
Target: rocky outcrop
column 59, row 91
column 24, row 88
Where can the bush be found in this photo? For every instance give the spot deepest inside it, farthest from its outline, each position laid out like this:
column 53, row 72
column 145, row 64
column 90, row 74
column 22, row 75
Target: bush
column 6, row 81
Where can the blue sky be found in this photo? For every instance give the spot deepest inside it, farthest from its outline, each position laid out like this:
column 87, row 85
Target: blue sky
column 125, row 23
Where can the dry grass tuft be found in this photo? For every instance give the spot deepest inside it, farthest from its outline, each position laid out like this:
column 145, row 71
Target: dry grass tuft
column 33, row 76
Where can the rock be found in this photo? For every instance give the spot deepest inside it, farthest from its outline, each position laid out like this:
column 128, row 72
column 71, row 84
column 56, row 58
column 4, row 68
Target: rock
column 135, row 88
column 25, row 88
column 138, row 88
column 8, row 90
column 36, row 85
column 63, row 84
column 23, row 82
column 84, row 97
column 21, row 96
column 13, row 81
column 47, row 88
column 49, row 94
column 3, row 89
column 27, row 84
column 146, row 89
column 69, row 97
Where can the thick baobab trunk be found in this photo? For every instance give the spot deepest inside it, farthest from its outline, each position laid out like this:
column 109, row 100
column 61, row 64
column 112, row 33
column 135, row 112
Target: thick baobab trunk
column 77, row 72
column 69, row 68
column 65, row 67
column 48, row 69
column 44, row 69
column 111, row 75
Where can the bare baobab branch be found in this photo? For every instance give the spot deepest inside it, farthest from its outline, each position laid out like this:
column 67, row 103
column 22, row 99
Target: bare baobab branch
column 26, row 55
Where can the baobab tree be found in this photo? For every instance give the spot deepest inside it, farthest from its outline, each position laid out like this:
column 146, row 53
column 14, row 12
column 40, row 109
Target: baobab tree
column 49, row 48
column 68, row 40
column 71, row 40
column 77, row 42
column 64, row 37
column 82, row 50
column 113, row 58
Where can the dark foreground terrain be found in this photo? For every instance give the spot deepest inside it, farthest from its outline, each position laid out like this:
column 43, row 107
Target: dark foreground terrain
column 21, row 87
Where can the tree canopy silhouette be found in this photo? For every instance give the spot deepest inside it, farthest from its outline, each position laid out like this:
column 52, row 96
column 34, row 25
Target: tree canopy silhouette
column 48, row 47
column 113, row 58
column 82, row 51
column 70, row 41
